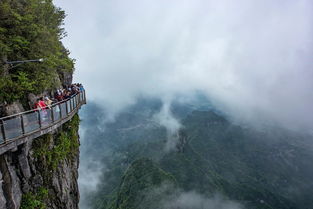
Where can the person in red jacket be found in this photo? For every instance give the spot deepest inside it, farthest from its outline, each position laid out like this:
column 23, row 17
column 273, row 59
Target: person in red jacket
column 41, row 106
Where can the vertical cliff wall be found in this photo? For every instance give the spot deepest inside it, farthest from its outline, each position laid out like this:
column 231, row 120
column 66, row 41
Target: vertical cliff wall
column 43, row 172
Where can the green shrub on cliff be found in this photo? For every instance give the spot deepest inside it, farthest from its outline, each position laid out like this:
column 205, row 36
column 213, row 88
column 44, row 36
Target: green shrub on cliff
column 64, row 147
column 15, row 87
column 35, row 200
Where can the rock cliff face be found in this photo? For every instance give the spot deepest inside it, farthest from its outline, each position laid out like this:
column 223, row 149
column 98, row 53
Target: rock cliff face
column 43, row 172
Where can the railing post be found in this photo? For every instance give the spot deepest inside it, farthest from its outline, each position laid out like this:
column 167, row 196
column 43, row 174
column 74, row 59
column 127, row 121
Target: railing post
column 66, row 107
column 71, row 105
column 39, row 118
column 22, row 124
column 52, row 114
column 60, row 110
column 3, row 130
column 76, row 101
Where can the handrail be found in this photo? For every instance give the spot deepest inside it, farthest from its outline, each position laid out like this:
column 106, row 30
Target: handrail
column 34, row 110
column 17, row 126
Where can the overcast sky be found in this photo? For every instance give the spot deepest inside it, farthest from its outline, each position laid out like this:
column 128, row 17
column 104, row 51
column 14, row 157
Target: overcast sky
column 253, row 59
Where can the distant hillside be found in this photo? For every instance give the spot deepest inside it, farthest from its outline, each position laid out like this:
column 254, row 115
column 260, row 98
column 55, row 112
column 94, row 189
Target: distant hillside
column 139, row 178
column 259, row 169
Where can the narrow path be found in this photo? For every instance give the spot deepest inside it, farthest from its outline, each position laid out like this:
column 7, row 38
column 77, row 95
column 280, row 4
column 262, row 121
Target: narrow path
column 19, row 128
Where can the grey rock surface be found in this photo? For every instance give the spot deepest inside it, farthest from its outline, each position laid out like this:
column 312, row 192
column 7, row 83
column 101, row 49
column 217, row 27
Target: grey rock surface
column 21, row 172
column 2, row 198
column 14, row 108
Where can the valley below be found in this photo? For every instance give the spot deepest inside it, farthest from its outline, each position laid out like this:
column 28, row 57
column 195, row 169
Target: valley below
column 142, row 159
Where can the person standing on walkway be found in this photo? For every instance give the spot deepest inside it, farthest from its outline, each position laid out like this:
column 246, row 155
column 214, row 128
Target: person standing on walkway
column 41, row 106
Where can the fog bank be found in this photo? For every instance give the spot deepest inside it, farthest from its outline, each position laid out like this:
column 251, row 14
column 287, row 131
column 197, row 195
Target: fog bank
column 251, row 58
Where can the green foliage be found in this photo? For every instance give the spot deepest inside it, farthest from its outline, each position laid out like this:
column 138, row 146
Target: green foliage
column 24, row 83
column 35, row 201
column 49, row 152
column 15, row 86
column 31, row 29
column 64, row 147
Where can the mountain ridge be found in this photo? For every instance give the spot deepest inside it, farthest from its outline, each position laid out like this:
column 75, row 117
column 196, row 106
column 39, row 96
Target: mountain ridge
column 212, row 155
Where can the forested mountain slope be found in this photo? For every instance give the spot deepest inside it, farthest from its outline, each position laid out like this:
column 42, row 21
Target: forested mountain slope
column 267, row 168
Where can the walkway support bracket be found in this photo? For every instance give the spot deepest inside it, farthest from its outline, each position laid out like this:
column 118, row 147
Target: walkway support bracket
column 22, row 124
column 3, row 130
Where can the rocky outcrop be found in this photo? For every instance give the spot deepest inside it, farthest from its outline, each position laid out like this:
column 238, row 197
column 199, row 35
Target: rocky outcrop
column 14, row 108
column 43, row 171
column 66, row 78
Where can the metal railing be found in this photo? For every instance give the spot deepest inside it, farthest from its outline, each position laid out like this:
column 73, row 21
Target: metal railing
column 25, row 123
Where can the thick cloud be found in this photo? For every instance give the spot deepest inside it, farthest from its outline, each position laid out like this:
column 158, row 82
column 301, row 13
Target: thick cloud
column 253, row 59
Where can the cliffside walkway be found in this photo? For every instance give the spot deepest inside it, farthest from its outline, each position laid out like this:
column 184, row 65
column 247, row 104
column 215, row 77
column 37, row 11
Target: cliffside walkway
column 17, row 129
